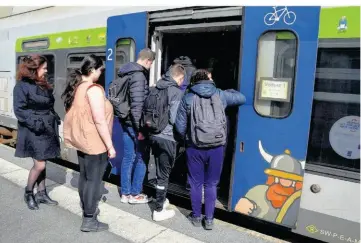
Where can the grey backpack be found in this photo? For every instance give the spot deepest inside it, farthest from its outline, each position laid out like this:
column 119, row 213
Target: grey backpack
column 208, row 122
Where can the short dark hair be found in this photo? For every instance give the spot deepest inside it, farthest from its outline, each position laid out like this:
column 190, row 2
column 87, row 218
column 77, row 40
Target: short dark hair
column 145, row 54
column 199, row 75
column 176, row 70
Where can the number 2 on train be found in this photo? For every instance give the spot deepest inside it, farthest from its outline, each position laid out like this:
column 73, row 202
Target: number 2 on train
column 109, row 57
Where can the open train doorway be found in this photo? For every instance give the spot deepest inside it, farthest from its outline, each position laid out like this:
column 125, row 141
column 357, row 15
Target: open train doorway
column 212, row 45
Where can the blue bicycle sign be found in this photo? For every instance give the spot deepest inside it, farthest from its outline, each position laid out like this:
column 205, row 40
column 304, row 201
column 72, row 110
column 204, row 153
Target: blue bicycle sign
column 271, row 18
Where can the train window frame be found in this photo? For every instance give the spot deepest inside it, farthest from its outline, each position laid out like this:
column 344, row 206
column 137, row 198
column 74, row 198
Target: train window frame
column 71, row 66
column 291, row 81
column 132, row 53
column 21, row 55
column 324, row 165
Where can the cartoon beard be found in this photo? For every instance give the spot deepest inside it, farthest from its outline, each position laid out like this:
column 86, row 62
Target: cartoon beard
column 278, row 194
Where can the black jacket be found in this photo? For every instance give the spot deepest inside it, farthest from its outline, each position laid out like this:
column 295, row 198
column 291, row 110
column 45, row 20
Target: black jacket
column 175, row 95
column 138, row 91
column 38, row 124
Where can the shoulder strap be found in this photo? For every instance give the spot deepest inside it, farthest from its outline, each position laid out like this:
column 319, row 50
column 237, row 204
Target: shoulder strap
column 80, row 94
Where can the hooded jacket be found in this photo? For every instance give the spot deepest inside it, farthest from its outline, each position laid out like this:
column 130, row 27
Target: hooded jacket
column 138, row 91
column 189, row 67
column 205, row 89
column 174, row 97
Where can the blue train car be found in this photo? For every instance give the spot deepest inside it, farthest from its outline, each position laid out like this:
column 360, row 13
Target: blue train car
column 270, row 55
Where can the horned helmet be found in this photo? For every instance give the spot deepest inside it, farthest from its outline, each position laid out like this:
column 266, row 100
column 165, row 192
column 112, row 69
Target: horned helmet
column 283, row 165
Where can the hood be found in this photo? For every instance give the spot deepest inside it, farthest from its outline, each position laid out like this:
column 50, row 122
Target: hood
column 183, row 60
column 205, row 88
column 166, row 81
column 131, row 68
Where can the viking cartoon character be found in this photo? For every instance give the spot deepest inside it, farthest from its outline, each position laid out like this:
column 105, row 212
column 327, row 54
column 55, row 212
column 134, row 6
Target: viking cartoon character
column 279, row 198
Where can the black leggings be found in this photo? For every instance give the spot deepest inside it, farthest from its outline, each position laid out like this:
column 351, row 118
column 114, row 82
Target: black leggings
column 92, row 168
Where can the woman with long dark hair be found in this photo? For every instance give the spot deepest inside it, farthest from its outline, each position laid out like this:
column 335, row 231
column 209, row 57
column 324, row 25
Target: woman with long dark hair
column 88, row 127
column 38, row 134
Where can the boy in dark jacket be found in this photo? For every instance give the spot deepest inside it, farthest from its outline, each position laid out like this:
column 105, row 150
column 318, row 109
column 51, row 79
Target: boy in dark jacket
column 204, row 164
column 164, row 145
column 133, row 168
column 189, row 67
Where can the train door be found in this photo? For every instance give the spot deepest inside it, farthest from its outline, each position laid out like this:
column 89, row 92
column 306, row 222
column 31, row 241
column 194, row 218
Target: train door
column 278, row 59
column 126, row 36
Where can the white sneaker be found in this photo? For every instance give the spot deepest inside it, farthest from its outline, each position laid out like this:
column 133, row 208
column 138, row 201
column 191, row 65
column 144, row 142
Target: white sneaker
column 166, row 204
column 124, row 199
column 139, row 199
column 163, row 215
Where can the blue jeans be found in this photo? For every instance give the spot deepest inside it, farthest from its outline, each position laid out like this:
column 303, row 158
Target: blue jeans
column 133, row 163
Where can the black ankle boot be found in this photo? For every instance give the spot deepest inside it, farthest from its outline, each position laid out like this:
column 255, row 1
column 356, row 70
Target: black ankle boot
column 43, row 197
column 30, row 200
column 91, row 224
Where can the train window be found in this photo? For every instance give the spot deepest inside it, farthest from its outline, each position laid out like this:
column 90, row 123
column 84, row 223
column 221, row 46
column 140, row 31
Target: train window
column 125, row 52
column 276, row 63
column 335, row 126
column 51, row 66
column 74, row 61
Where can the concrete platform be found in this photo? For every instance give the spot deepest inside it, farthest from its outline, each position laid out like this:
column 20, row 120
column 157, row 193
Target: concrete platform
column 130, row 223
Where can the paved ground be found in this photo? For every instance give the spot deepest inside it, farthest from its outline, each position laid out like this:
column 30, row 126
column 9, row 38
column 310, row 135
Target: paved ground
column 49, row 224
column 127, row 223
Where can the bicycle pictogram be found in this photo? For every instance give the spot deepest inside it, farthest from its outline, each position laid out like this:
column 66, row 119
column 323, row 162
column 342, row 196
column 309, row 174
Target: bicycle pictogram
column 289, row 17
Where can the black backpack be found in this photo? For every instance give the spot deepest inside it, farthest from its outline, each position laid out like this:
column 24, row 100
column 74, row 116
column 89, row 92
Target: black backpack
column 155, row 114
column 118, row 96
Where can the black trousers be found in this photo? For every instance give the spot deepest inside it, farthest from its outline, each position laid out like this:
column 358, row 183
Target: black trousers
column 92, row 168
column 164, row 154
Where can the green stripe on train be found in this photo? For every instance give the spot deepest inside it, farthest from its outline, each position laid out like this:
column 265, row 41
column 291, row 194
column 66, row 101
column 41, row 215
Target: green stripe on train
column 330, row 19
column 329, row 28
column 71, row 39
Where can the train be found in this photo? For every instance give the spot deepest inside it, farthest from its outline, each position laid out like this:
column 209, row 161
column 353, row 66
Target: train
column 293, row 152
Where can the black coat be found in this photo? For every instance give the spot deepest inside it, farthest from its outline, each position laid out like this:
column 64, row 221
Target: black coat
column 138, row 91
column 38, row 124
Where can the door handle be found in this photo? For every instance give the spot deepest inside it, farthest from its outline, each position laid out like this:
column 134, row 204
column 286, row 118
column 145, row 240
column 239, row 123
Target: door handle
column 241, row 147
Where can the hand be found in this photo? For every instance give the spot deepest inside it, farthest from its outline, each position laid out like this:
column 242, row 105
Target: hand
column 112, row 153
column 140, row 136
column 245, row 206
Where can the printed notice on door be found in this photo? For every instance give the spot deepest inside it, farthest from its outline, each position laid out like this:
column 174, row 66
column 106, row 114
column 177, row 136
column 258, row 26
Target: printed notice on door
column 274, row 90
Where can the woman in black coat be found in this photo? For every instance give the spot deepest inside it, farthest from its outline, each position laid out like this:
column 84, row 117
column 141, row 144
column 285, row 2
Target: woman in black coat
column 38, row 132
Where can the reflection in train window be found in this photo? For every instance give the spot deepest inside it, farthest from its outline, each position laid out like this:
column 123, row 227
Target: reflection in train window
column 125, row 52
column 336, row 102
column 74, row 61
column 275, row 67
column 51, row 66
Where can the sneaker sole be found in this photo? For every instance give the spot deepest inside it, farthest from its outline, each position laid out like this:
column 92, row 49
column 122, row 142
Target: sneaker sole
column 158, row 220
column 93, row 230
column 208, row 227
column 137, row 202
